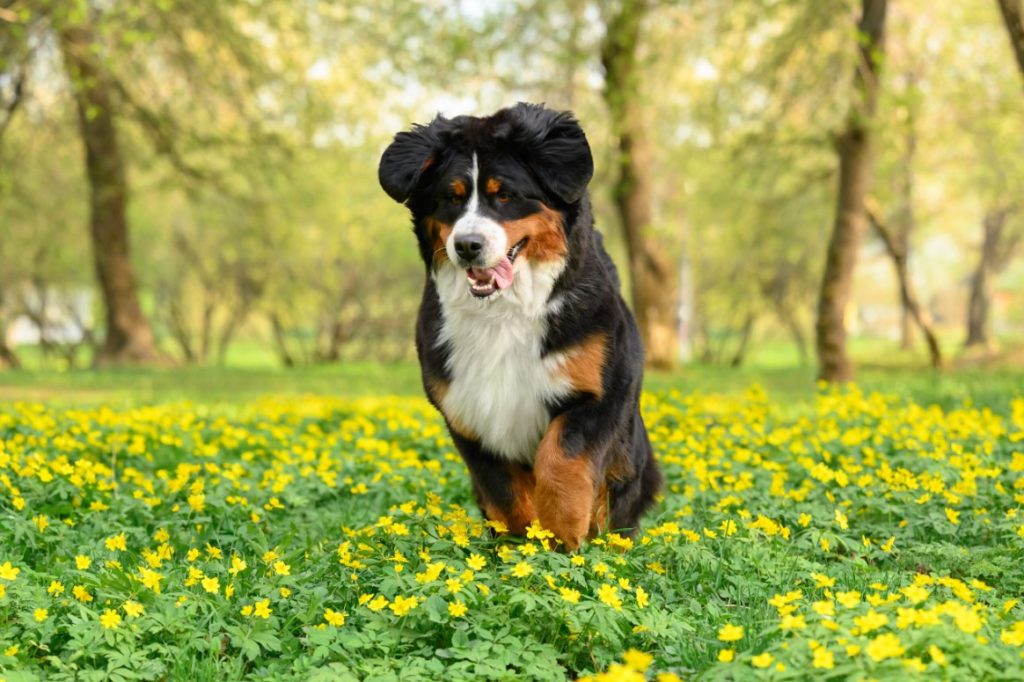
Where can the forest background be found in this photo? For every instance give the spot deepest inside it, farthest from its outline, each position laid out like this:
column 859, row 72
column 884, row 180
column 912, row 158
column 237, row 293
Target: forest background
column 784, row 184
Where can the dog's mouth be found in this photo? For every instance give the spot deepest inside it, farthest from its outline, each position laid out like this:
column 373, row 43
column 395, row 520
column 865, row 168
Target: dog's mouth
column 485, row 281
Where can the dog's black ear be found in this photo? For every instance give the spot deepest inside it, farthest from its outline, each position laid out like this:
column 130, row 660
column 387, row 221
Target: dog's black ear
column 408, row 157
column 557, row 149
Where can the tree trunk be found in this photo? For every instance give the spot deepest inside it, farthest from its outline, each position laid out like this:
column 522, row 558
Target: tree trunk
column 854, row 151
column 652, row 279
column 977, row 309
column 898, row 253
column 1013, row 16
column 789, row 320
column 8, row 357
column 904, row 221
column 994, row 255
column 741, row 351
column 129, row 338
column 280, row 342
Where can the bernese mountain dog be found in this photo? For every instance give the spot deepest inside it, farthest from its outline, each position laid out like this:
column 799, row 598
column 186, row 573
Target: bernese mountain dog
column 525, row 344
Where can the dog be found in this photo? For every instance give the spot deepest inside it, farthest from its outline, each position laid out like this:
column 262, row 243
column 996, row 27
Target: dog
column 525, row 344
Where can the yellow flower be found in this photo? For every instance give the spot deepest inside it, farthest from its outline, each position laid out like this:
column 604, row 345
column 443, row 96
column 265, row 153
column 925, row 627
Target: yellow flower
column 211, row 585
column 432, row 573
column 823, row 658
column 403, row 605
column 522, row 569
column 730, row 633
column 884, row 646
column 82, row 562
column 842, row 520
column 116, row 543
column 872, row 620
column 792, row 622
column 804, row 520
column 1014, row 636
column 726, row 655
column 261, row 609
column 281, row 568
column 132, row 608
column 577, row 560
column 915, row 593
column 953, row 516
column 453, row 585
column 476, row 562
column 457, row 609
column 537, row 532
column 570, row 595
column 56, row 588
column 848, row 599
column 151, row 579
column 335, row 618
column 81, row 594
column 12, row 650
column 762, row 660
column 40, row 615
column 642, row 598
column 197, row 502
column 378, row 603
column 110, row 619
column 823, row 580
column 8, row 572
column 637, row 660
column 609, row 594
column 237, row 565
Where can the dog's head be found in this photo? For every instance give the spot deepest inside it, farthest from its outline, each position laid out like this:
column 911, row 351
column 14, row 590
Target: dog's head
column 490, row 194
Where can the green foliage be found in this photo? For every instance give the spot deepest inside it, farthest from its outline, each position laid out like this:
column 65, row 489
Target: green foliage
column 252, row 132
column 320, row 538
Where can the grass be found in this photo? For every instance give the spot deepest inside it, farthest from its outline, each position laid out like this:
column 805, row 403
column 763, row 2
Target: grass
column 985, row 386
column 167, row 524
column 325, row 538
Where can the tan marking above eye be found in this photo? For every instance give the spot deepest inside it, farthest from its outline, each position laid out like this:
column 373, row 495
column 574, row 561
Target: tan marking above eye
column 493, row 185
column 459, row 188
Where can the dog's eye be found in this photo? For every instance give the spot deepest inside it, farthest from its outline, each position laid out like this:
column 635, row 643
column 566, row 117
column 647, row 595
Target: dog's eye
column 456, row 200
column 503, row 197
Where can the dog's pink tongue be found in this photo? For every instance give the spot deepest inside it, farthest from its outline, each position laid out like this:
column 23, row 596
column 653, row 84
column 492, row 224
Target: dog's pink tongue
column 501, row 272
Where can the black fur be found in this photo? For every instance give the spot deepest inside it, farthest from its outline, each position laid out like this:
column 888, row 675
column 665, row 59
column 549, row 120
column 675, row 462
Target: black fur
column 546, row 158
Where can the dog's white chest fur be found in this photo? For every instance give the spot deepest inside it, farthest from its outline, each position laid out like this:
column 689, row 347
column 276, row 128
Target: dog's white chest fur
column 500, row 386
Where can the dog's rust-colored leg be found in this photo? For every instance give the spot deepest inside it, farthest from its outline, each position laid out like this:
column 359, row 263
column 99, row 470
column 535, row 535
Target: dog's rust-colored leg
column 565, row 489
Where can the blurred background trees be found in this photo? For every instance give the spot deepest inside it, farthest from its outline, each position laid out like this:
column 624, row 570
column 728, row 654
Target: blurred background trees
column 195, row 183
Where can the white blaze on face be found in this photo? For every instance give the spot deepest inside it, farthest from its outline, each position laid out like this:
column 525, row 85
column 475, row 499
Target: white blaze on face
column 471, row 222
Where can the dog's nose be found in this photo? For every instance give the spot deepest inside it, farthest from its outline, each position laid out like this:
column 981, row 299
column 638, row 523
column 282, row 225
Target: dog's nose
column 469, row 246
